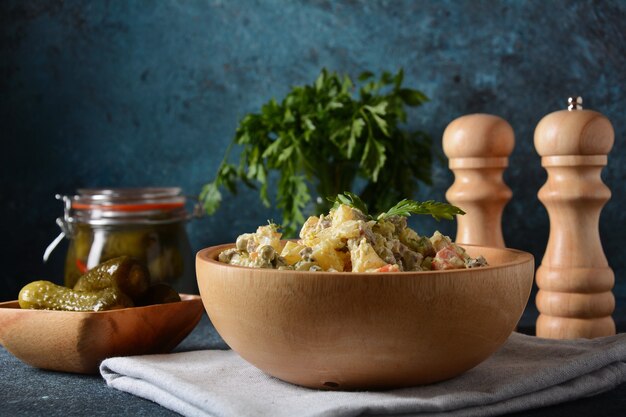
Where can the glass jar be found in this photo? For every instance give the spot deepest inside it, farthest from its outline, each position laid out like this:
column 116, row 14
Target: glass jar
column 147, row 224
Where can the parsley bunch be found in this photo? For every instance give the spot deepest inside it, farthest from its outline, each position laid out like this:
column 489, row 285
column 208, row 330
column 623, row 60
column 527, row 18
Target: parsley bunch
column 320, row 138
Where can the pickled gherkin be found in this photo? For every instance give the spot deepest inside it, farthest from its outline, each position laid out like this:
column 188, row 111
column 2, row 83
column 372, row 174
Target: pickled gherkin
column 49, row 296
column 128, row 275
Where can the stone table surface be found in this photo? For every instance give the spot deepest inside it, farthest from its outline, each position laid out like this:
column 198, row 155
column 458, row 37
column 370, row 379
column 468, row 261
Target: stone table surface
column 26, row 391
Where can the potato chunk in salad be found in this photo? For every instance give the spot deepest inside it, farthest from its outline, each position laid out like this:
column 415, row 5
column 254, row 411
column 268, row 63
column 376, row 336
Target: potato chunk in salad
column 346, row 240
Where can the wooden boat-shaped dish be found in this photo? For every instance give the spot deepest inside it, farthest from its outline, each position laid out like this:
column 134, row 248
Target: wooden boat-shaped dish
column 77, row 342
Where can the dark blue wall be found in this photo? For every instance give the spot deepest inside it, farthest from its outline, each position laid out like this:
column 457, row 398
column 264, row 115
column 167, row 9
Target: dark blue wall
column 116, row 93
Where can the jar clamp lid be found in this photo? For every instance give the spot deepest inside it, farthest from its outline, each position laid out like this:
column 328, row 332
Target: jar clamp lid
column 121, row 206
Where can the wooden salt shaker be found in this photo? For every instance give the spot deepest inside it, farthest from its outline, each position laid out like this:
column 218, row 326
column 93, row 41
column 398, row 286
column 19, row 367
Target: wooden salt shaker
column 574, row 279
column 478, row 147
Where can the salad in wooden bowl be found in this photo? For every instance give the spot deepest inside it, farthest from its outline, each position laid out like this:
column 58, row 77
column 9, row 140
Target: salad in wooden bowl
column 360, row 302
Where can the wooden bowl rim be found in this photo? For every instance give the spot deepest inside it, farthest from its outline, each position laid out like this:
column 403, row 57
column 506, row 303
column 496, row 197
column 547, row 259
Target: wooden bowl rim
column 209, row 255
column 13, row 306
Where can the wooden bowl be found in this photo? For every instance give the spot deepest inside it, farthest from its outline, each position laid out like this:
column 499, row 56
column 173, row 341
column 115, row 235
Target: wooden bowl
column 77, row 342
column 366, row 330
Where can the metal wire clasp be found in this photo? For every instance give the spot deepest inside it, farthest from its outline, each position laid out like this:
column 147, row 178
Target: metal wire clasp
column 65, row 223
column 198, row 210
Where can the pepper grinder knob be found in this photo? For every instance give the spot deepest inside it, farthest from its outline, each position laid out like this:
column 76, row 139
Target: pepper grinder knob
column 478, row 147
column 574, row 279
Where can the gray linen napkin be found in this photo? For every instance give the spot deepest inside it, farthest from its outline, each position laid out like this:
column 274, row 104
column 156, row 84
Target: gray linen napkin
column 527, row 372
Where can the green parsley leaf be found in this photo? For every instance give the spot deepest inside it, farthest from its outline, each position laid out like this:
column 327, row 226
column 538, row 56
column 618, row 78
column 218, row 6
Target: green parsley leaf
column 365, row 75
column 210, row 197
column 355, row 133
column 435, row 209
column 349, row 199
column 412, row 97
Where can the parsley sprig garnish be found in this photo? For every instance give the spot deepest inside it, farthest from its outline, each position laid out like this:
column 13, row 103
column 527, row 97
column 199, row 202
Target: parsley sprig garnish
column 404, row 208
column 433, row 208
column 351, row 200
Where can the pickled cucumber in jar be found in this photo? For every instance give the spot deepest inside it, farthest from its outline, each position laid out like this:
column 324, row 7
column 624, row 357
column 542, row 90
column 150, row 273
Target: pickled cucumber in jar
column 162, row 248
column 124, row 273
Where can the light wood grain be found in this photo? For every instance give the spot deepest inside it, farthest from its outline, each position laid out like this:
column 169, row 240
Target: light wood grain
column 577, row 132
column 478, row 146
column 574, row 279
column 359, row 330
column 78, row 341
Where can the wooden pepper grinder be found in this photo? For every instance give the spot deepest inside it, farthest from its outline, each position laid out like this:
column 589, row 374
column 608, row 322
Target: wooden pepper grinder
column 478, row 147
column 574, row 279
